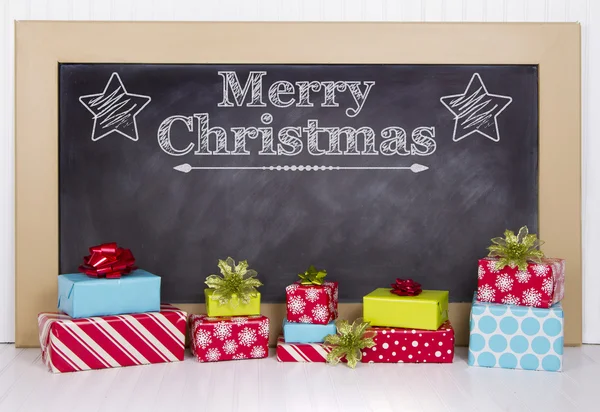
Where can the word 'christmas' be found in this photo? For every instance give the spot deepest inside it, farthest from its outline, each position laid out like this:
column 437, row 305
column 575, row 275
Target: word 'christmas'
column 291, row 140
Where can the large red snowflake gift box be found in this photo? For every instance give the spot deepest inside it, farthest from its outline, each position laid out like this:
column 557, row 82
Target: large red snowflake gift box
column 229, row 338
column 398, row 345
column 312, row 300
column 517, row 273
column 70, row 345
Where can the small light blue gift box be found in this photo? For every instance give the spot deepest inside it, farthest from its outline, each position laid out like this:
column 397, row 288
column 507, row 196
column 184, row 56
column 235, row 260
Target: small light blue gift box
column 307, row 332
column 81, row 296
column 516, row 337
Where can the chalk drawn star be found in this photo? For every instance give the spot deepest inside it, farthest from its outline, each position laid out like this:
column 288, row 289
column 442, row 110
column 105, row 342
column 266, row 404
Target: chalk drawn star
column 476, row 110
column 114, row 110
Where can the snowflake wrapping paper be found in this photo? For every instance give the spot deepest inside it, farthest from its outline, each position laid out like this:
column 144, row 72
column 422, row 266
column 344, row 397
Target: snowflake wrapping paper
column 307, row 332
column 233, row 308
column 301, row 352
column 229, row 338
column 428, row 310
column 411, row 345
column 541, row 285
column 70, row 345
column 312, row 303
column 516, row 337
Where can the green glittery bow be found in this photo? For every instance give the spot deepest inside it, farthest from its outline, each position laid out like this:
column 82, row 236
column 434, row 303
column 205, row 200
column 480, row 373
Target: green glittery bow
column 312, row 276
column 349, row 342
column 515, row 251
column 237, row 280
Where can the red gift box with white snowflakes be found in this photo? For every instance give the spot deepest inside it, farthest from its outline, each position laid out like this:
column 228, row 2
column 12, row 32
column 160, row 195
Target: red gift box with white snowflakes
column 229, row 338
column 312, row 303
column 541, row 285
column 397, row 345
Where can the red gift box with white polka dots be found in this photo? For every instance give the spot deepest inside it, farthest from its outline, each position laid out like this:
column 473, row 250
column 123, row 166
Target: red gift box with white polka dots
column 396, row 345
column 540, row 286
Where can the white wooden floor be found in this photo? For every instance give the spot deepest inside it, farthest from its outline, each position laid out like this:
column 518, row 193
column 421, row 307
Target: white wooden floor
column 267, row 385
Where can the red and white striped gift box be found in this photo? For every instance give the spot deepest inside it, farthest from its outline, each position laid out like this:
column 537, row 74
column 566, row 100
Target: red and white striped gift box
column 301, row 352
column 70, row 345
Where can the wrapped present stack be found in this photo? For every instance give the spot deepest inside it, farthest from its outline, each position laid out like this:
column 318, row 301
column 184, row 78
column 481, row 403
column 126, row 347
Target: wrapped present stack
column 233, row 327
column 110, row 316
column 312, row 308
column 408, row 325
column 517, row 317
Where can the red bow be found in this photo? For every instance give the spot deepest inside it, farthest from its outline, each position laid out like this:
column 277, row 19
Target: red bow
column 108, row 260
column 406, row 287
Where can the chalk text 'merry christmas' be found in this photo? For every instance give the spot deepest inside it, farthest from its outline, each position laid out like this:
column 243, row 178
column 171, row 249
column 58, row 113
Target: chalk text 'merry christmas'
column 284, row 94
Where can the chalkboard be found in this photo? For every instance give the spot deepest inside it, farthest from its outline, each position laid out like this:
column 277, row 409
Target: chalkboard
column 372, row 172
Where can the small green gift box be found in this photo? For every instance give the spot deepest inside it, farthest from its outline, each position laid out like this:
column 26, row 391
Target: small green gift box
column 234, row 292
column 427, row 310
column 233, row 308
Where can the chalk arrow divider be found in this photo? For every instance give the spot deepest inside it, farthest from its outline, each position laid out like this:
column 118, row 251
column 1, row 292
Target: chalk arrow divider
column 186, row 168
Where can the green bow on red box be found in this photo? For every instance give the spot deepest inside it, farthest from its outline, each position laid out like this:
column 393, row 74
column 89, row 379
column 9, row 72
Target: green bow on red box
column 516, row 250
column 312, row 276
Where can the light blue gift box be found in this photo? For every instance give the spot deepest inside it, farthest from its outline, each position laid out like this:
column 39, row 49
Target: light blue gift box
column 516, row 337
column 307, row 332
column 81, row 296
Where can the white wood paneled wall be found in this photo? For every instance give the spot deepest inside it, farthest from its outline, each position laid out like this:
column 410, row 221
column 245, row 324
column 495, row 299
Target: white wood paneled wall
column 587, row 12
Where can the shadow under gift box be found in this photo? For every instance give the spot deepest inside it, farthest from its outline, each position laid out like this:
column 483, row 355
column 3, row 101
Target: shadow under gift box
column 516, row 337
column 229, row 338
column 71, row 345
column 81, row 296
column 428, row 310
column 233, row 308
column 307, row 332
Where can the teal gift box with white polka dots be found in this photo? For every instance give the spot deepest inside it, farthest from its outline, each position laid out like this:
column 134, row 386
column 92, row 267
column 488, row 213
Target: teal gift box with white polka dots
column 516, row 337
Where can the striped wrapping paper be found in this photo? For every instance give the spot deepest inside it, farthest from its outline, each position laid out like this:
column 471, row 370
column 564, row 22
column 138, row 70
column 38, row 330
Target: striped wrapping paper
column 301, row 352
column 70, row 345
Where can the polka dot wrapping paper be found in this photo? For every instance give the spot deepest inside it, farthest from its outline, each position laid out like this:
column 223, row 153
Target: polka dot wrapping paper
column 397, row 345
column 516, row 337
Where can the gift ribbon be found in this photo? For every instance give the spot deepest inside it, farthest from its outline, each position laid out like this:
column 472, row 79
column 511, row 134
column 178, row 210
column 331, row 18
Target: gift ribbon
column 516, row 250
column 406, row 287
column 235, row 281
column 349, row 341
column 109, row 261
column 312, row 276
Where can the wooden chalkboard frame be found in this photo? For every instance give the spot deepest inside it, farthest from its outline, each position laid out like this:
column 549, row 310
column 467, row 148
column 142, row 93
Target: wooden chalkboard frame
column 40, row 46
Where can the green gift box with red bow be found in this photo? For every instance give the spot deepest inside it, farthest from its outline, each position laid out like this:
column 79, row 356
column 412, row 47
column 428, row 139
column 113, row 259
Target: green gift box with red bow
column 406, row 305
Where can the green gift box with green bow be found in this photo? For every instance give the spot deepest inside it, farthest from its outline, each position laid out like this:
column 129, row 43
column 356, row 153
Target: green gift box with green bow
column 234, row 292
